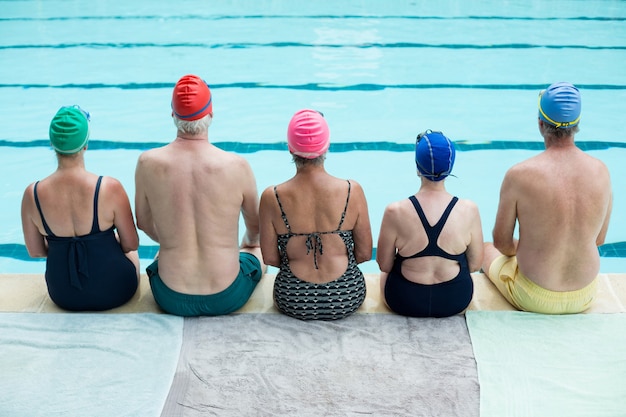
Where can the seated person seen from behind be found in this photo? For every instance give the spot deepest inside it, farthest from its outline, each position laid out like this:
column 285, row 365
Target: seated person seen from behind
column 315, row 228
column 189, row 196
column 561, row 200
column 430, row 242
column 89, row 267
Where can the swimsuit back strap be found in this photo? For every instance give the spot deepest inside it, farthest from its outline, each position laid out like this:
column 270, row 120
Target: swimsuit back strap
column 282, row 212
column 345, row 209
column 43, row 220
column 95, row 225
column 420, row 212
column 444, row 217
column 442, row 220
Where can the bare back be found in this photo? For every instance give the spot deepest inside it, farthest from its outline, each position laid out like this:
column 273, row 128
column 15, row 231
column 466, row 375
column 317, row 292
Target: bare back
column 66, row 198
column 562, row 200
column 192, row 194
column 314, row 202
column 402, row 231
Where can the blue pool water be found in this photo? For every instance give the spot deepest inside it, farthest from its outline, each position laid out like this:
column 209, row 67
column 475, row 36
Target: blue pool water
column 380, row 71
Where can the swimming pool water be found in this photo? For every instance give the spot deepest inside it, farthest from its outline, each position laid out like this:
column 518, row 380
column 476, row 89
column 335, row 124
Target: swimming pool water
column 380, row 71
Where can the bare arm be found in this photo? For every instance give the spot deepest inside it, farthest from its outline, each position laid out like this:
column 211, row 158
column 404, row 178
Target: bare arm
column 506, row 217
column 386, row 250
column 269, row 237
column 123, row 216
column 143, row 212
column 605, row 225
column 36, row 243
column 475, row 249
column 362, row 232
column 250, row 208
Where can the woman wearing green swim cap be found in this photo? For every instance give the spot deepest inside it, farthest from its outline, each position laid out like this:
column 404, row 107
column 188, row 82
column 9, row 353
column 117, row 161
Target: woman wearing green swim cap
column 82, row 224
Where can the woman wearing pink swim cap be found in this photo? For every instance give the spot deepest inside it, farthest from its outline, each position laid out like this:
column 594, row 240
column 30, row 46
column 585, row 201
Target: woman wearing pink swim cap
column 315, row 228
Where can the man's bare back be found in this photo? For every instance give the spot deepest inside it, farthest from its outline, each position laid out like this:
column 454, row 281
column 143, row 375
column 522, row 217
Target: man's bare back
column 189, row 195
column 195, row 193
column 562, row 200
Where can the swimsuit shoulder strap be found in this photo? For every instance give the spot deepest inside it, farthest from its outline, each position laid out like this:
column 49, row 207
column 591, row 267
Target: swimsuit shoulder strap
column 345, row 209
column 95, row 225
column 432, row 232
column 43, row 219
column 282, row 212
column 442, row 220
column 444, row 217
column 420, row 212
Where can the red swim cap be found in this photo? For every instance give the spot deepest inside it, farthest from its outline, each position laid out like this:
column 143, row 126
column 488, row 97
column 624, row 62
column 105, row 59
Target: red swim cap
column 191, row 99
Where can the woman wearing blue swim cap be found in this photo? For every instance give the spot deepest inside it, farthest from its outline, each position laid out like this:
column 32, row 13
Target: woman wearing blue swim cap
column 430, row 243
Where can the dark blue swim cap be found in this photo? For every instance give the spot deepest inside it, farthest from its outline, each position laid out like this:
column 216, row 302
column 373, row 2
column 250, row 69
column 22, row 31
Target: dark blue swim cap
column 434, row 155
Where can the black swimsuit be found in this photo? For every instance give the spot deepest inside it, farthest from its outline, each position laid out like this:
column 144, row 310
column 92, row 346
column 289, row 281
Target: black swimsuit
column 436, row 300
column 89, row 272
column 309, row 301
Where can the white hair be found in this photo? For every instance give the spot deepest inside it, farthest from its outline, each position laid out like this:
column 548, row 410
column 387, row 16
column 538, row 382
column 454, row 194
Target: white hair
column 193, row 127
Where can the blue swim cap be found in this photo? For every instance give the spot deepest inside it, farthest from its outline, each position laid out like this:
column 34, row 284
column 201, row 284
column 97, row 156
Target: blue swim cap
column 434, row 155
column 560, row 105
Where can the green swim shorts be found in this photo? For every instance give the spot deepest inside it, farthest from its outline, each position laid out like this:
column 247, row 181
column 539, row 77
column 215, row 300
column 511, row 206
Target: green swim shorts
column 221, row 303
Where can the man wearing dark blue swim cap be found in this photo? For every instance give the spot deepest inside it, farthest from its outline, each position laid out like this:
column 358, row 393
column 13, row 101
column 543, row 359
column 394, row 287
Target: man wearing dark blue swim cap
column 561, row 200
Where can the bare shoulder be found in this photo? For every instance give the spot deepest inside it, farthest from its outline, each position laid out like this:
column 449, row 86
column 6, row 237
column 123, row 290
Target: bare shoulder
column 238, row 159
column 146, row 157
column 233, row 161
column 467, row 208
column 112, row 185
column 522, row 172
column 111, row 189
column 394, row 209
column 267, row 194
column 523, row 167
column 28, row 191
column 355, row 187
column 597, row 164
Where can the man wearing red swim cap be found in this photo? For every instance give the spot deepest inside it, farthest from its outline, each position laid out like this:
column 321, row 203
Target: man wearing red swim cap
column 188, row 197
column 561, row 200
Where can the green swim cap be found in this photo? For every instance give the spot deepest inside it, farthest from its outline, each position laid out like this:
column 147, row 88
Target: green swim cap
column 69, row 130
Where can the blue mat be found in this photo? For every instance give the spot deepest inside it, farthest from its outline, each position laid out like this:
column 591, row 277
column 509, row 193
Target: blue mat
column 539, row 365
column 87, row 364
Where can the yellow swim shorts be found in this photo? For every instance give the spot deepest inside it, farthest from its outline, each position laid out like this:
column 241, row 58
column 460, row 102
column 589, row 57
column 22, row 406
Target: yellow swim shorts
column 525, row 295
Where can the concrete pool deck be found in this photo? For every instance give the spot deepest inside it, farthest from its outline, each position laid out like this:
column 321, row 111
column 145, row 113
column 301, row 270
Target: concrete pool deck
column 28, row 293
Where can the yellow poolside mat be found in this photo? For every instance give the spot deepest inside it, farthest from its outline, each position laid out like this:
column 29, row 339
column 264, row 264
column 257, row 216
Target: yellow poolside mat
column 28, row 293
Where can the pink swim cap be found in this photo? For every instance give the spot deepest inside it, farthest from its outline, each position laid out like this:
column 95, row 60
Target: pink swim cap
column 308, row 135
column 191, row 99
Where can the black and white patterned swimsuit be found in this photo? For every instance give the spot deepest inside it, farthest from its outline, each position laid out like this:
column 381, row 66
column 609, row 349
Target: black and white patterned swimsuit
column 309, row 301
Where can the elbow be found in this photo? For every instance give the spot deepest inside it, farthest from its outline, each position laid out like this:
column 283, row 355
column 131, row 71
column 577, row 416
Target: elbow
column 474, row 266
column 271, row 262
column 384, row 267
column 270, row 258
column 363, row 255
column 140, row 224
column 505, row 246
column 130, row 248
column 37, row 253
